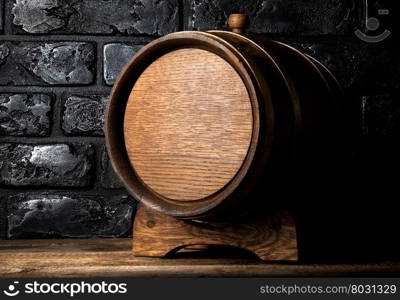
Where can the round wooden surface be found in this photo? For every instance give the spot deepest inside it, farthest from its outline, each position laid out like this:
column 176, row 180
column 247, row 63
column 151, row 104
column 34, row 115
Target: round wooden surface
column 188, row 124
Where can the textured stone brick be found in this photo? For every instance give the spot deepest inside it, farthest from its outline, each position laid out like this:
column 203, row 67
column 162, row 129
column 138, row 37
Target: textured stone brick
column 109, row 179
column 303, row 17
column 32, row 63
column 2, row 217
column 378, row 153
column 46, row 165
column 67, row 215
column 84, row 115
column 360, row 66
column 1, row 15
column 151, row 17
column 116, row 56
column 381, row 117
column 25, row 114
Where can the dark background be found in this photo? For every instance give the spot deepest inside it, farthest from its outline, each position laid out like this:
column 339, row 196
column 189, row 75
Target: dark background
column 57, row 66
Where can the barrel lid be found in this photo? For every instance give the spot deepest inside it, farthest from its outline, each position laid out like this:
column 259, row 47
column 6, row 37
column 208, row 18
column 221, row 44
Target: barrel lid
column 186, row 107
column 188, row 124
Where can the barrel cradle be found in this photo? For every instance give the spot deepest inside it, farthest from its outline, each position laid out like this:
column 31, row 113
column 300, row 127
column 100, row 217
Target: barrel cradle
column 203, row 125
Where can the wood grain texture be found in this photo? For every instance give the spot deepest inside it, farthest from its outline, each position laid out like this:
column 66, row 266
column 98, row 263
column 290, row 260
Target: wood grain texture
column 188, row 124
column 113, row 258
column 271, row 238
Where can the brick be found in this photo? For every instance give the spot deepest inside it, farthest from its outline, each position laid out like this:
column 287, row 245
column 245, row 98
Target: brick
column 311, row 17
column 2, row 217
column 33, row 63
column 116, row 56
column 378, row 152
column 360, row 67
column 381, row 117
column 1, row 15
column 46, row 165
column 150, row 17
column 68, row 215
column 84, row 115
column 109, row 179
column 25, row 114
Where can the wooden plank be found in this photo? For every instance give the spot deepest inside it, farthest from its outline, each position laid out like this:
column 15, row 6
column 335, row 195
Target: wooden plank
column 271, row 238
column 113, row 258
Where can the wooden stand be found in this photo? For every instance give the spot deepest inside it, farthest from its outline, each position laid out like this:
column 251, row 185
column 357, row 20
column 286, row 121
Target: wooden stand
column 271, row 239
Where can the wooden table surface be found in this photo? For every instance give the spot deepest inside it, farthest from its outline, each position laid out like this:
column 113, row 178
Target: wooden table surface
column 112, row 258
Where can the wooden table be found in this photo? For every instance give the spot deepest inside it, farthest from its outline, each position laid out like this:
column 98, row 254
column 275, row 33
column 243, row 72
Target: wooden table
column 112, row 258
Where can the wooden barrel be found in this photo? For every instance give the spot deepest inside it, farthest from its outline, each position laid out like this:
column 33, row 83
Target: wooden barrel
column 199, row 121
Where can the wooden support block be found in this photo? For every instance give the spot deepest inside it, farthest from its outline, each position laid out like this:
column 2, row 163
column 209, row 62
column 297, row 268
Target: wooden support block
column 271, row 238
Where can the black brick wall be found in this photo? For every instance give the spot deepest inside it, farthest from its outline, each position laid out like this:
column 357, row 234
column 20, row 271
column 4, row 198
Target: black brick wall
column 59, row 59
